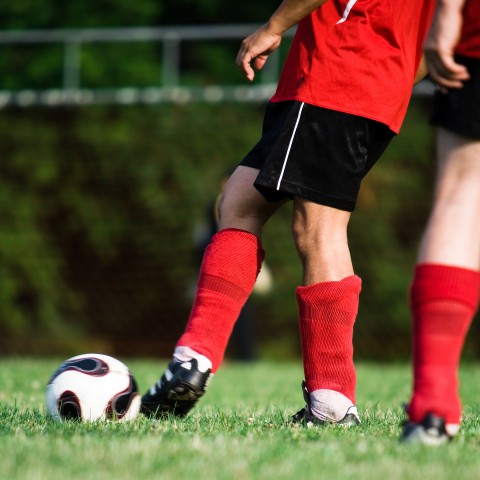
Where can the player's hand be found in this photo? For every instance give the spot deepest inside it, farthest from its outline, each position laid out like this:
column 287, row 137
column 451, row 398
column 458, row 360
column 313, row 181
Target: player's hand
column 444, row 70
column 255, row 50
column 440, row 47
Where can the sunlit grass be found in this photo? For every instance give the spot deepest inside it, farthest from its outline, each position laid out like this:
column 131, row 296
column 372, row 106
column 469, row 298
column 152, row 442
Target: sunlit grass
column 239, row 430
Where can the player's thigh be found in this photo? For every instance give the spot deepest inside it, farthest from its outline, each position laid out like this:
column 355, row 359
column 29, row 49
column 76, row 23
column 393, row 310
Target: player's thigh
column 458, row 168
column 452, row 235
column 241, row 202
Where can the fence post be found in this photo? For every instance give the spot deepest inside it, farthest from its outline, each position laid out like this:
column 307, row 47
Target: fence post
column 171, row 60
column 71, row 66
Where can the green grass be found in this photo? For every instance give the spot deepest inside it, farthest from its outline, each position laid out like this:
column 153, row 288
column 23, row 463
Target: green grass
column 238, row 431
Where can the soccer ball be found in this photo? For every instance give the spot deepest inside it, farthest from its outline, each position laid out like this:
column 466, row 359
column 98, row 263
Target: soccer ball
column 92, row 387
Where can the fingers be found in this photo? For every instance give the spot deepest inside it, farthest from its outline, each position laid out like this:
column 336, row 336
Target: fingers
column 445, row 71
column 260, row 61
column 440, row 47
column 243, row 61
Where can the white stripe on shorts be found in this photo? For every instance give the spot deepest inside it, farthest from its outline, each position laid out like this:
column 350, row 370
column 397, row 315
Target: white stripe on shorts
column 289, row 147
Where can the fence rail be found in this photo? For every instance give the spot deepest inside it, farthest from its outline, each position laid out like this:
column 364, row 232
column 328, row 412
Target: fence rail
column 71, row 92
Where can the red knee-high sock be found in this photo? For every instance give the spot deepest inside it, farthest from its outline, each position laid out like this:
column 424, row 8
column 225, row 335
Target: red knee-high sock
column 327, row 313
column 443, row 302
column 229, row 269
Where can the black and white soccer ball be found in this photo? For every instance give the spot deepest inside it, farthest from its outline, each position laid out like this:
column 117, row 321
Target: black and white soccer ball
column 92, row 387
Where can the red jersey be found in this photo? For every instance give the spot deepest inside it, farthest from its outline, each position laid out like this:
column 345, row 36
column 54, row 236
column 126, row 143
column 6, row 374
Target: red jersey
column 358, row 56
column 469, row 44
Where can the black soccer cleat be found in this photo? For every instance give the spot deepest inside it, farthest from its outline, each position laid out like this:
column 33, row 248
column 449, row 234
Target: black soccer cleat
column 430, row 431
column 307, row 418
column 177, row 391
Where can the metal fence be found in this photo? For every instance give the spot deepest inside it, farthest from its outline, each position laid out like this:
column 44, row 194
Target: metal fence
column 71, row 92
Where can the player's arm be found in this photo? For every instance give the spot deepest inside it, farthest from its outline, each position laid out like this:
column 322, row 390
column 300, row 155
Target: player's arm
column 440, row 45
column 257, row 47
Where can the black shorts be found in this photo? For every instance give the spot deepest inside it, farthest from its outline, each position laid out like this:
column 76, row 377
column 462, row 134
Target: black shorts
column 315, row 153
column 459, row 110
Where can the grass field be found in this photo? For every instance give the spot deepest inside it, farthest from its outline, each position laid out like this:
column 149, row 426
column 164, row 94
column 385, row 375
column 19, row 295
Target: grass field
column 238, row 431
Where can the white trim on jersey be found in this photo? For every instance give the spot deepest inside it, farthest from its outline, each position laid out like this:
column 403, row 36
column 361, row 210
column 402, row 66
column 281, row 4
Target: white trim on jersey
column 349, row 6
column 289, row 147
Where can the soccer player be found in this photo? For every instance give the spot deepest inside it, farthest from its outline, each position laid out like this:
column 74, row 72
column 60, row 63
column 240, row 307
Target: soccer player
column 445, row 288
column 342, row 96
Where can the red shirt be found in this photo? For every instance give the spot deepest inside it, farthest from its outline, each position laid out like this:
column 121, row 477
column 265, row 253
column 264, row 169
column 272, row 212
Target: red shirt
column 469, row 44
column 361, row 60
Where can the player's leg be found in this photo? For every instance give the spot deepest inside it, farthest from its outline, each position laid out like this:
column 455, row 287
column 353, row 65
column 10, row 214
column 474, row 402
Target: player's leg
column 229, row 269
column 445, row 288
column 453, row 229
column 328, row 304
column 320, row 235
column 242, row 206
column 320, row 159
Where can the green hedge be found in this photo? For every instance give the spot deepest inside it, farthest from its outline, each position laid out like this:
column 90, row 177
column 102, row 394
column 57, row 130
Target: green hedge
column 98, row 207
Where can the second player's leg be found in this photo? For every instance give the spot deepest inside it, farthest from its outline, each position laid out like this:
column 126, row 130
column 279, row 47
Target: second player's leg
column 452, row 236
column 445, row 288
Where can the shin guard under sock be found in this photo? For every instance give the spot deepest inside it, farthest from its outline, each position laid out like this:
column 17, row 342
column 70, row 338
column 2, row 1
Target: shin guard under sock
column 229, row 269
column 327, row 313
column 443, row 302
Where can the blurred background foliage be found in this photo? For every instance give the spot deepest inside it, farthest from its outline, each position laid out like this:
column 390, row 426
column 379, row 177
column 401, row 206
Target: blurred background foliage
column 99, row 205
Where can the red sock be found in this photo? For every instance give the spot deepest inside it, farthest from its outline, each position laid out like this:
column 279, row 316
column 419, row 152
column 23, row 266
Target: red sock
column 327, row 312
column 443, row 302
column 229, row 269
